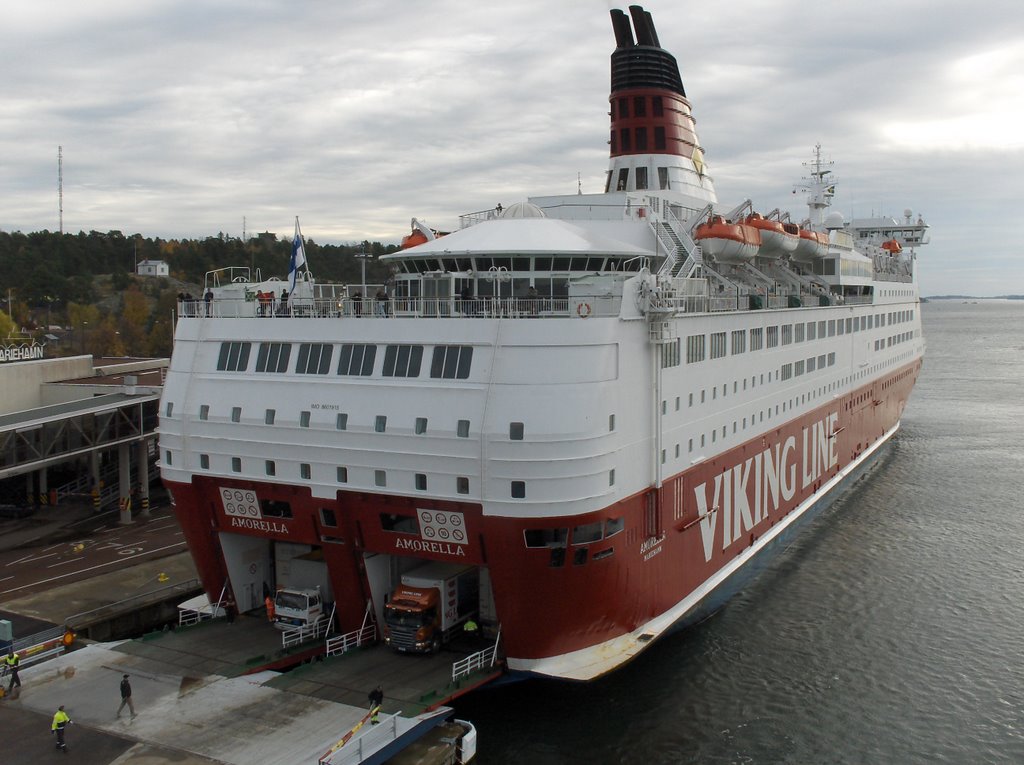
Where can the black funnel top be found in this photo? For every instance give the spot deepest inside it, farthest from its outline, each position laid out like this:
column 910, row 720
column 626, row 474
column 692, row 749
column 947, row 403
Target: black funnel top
column 643, row 63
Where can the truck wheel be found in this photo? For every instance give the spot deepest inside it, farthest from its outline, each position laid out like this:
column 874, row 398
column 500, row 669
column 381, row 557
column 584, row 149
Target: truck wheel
column 435, row 644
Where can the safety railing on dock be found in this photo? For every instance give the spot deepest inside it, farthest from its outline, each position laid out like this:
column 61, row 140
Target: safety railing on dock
column 353, row 749
column 340, row 644
column 484, row 659
column 41, row 646
column 305, row 633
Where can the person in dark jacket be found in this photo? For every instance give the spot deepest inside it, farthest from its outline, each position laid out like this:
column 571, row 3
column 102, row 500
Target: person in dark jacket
column 376, row 699
column 126, row 697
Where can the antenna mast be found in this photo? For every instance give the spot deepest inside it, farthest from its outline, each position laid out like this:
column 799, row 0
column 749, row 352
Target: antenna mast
column 60, row 186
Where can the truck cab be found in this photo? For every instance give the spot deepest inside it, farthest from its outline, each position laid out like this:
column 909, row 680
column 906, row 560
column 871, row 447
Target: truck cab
column 429, row 605
column 297, row 607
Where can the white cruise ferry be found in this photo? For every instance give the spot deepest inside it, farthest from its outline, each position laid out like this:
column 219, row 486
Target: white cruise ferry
column 608, row 404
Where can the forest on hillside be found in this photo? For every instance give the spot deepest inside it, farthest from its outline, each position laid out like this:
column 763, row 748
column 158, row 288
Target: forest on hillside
column 82, row 289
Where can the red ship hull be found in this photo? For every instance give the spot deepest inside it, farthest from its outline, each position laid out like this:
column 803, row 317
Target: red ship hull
column 678, row 543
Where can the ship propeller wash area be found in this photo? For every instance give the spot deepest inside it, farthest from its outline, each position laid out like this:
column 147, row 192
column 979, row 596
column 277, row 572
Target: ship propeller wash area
column 79, row 428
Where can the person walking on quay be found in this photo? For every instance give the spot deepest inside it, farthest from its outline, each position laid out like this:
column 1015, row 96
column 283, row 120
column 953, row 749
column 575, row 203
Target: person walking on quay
column 60, row 722
column 376, row 699
column 126, row 697
column 11, row 662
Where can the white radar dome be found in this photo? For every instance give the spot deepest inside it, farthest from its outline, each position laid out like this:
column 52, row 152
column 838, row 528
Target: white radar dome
column 834, row 219
column 523, row 210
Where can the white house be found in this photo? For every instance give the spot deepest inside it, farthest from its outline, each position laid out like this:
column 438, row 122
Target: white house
column 152, row 268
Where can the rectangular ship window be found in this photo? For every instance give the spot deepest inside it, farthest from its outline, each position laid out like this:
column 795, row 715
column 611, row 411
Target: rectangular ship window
column 273, row 357
column 451, row 362
column 342, row 474
column 773, row 337
column 273, row 508
column 545, row 537
column 588, row 532
column 756, row 338
column 718, row 346
column 421, row 425
column 399, row 524
column 341, row 421
column 462, row 429
column 402, row 360
column 234, row 357
column 356, row 359
column 314, row 358
column 236, row 414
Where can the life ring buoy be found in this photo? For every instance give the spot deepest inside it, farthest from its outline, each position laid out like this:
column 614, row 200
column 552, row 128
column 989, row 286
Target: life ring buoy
column 583, row 310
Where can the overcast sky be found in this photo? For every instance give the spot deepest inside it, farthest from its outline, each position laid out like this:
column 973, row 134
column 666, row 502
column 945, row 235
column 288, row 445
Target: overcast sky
column 184, row 118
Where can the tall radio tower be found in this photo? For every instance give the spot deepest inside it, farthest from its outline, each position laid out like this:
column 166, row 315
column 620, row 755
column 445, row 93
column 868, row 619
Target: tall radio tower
column 60, row 185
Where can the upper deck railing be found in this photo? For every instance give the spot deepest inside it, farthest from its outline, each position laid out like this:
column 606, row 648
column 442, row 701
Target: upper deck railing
column 577, row 306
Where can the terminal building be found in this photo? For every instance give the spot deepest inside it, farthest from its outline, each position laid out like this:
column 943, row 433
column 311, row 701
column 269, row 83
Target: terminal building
column 78, row 426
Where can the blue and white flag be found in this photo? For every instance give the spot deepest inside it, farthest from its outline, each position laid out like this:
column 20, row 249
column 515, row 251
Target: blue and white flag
column 298, row 258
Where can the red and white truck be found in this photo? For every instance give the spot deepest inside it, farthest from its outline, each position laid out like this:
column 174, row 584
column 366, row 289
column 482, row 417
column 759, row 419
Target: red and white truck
column 430, row 605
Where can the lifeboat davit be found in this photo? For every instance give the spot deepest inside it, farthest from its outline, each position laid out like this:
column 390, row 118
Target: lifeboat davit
column 728, row 242
column 812, row 244
column 894, row 247
column 777, row 238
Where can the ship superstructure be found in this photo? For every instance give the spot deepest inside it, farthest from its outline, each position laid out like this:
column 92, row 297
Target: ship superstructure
column 609, row 404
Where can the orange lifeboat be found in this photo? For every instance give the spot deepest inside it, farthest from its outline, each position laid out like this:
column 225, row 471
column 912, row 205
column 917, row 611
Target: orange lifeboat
column 413, row 239
column 728, row 242
column 813, row 244
column 777, row 238
column 894, row 247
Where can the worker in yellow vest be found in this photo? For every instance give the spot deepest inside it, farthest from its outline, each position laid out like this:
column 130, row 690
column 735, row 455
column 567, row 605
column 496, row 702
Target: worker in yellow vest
column 11, row 662
column 60, row 722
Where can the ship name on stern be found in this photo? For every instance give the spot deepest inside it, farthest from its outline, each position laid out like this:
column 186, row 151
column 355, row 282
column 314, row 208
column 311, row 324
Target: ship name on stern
column 744, row 494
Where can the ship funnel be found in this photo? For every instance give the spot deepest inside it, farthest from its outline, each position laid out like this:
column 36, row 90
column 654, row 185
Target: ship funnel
column 623, row 32
column 653, row 140
column 644, row 24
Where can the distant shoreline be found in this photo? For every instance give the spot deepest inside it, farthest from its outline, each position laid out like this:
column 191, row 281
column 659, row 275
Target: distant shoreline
column 973, row 297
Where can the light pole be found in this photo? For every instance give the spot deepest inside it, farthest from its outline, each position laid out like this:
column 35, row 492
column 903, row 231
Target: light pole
column 363, row 255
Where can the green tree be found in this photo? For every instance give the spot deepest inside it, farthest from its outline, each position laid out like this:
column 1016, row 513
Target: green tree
column 6, row 325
